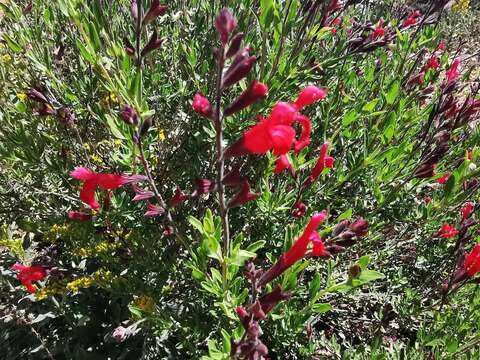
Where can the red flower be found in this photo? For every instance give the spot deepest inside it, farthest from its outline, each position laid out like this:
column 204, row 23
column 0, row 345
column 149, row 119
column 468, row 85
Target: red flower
column 472, row 261
column 202, row 106
column 78, row 215
column 318, row 246
column 276, row 132
column 233, row 178
column 104, row 181
column 153, row 210
column 141, row 194
column 243, row 196
column 453, row 72
column 443, row 179
column 324, row 161
column 155, row 10
column 441, row 46
column 254, row 92
column 225, row 23
column 467, row 210
column 447, row 231
column 281, row 164
column 297, row 251
column 359, row 227
column 411, row 19
column 432, row 63
column 310, row 95
column 299, row 209
column 379, row 30
column 470, row 154
column 418, row 79
column 177, row 198
column 28, row 274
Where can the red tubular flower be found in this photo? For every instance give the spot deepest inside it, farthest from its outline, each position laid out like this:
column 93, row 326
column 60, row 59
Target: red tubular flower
column 141, row 194
column 281, row 164
column 243, row 196
column 202, row 186
column 443, row 179
column 233, row 178
column 225, row 23
column 28, row 274
column 411, row 19
column 304, row 139
column 425, row 171
column 78, row 215
column 441, row 46
column 447, row 231
column 318, row 246
column 379, row 30
column 467, row 210
column 154, row 43
column 418, row 79
column 432, row 63
column 237, row 72
column 270, row 300
column 324, row 161
column 471, row 264
column 310, row 95
column 297, row 251
column 470, row 155
column 202, row 106
column 452, row 73
column 177, row 198
column 299, row 210
column 252, row 94
column 155, row 11
column 153, row 210
column 104, row 181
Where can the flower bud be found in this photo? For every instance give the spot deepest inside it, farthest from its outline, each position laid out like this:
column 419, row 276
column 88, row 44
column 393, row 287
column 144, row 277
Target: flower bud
column 225, row 23
column 155, row 11
column 147, row 124
column 129, row 115
column 236, row 73
column 66, row 115
column 354, row 271
column 341, row 226
column 38, row 96
column 252, row 94
column 235, row 45
column 153, row 44
column 359, row 227
column 202, row 106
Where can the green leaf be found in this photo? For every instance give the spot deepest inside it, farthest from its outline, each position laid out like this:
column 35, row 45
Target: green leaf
column 370, row 106
column 364, row 261
column 392, row 92
column 112, row 124
column 12, row 44
column 314, row 285
column 349, row 117
column 370, row 275
column 197, row 224
column 241, row 257
column 345, row 215
column 256, row 245
column 321, row 308
column 84, row 52
column 226, row 341
column 449, row 186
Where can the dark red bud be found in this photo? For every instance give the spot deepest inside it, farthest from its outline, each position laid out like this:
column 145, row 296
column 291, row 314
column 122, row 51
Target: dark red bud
column 252, row 94
column 153, row 44
column 155, row 11
column 235, row 45
column 225, row 23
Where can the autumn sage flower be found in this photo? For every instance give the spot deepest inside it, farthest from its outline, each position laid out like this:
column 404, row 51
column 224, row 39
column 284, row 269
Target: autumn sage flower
column 298, row 250
column 276, row 132
column 471, row 264
column 178, row 197
column 281, row 164
column 92, row 180
column 243, row 196
column 447, row 231
column 379, row 30
column 28, row 274
column 467, row 210
column 324, row 161
column 153, row 210
column 452, row 73
column 411, row 19
column 443, row 179
column 154, row 43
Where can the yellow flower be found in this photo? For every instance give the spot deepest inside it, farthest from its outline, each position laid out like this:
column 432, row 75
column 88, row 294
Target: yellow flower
column 144, row 303
column 7, row 59
column 461, row 6
column 57, row 231
column 13, row 246
column 117, row 142
column 87, row 146
column 22, row 97
column 96, row 159
column 161, row 135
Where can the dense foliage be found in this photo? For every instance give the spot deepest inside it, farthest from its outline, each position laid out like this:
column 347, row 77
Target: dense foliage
column 279, row 179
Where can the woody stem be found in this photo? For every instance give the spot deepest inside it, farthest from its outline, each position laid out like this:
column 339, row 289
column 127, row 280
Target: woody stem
column 218, row 118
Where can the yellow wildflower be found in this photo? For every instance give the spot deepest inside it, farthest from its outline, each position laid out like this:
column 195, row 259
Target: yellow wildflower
column 56, row 231
column 144, row 303
column 461, row 6
column 7, row 59
column 161, row 135
column 13, row 246
column 22, row 97
column 96, row 159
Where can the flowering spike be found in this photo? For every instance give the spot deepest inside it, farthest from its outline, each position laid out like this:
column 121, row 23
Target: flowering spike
column 251, row 95
column 323, row 162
